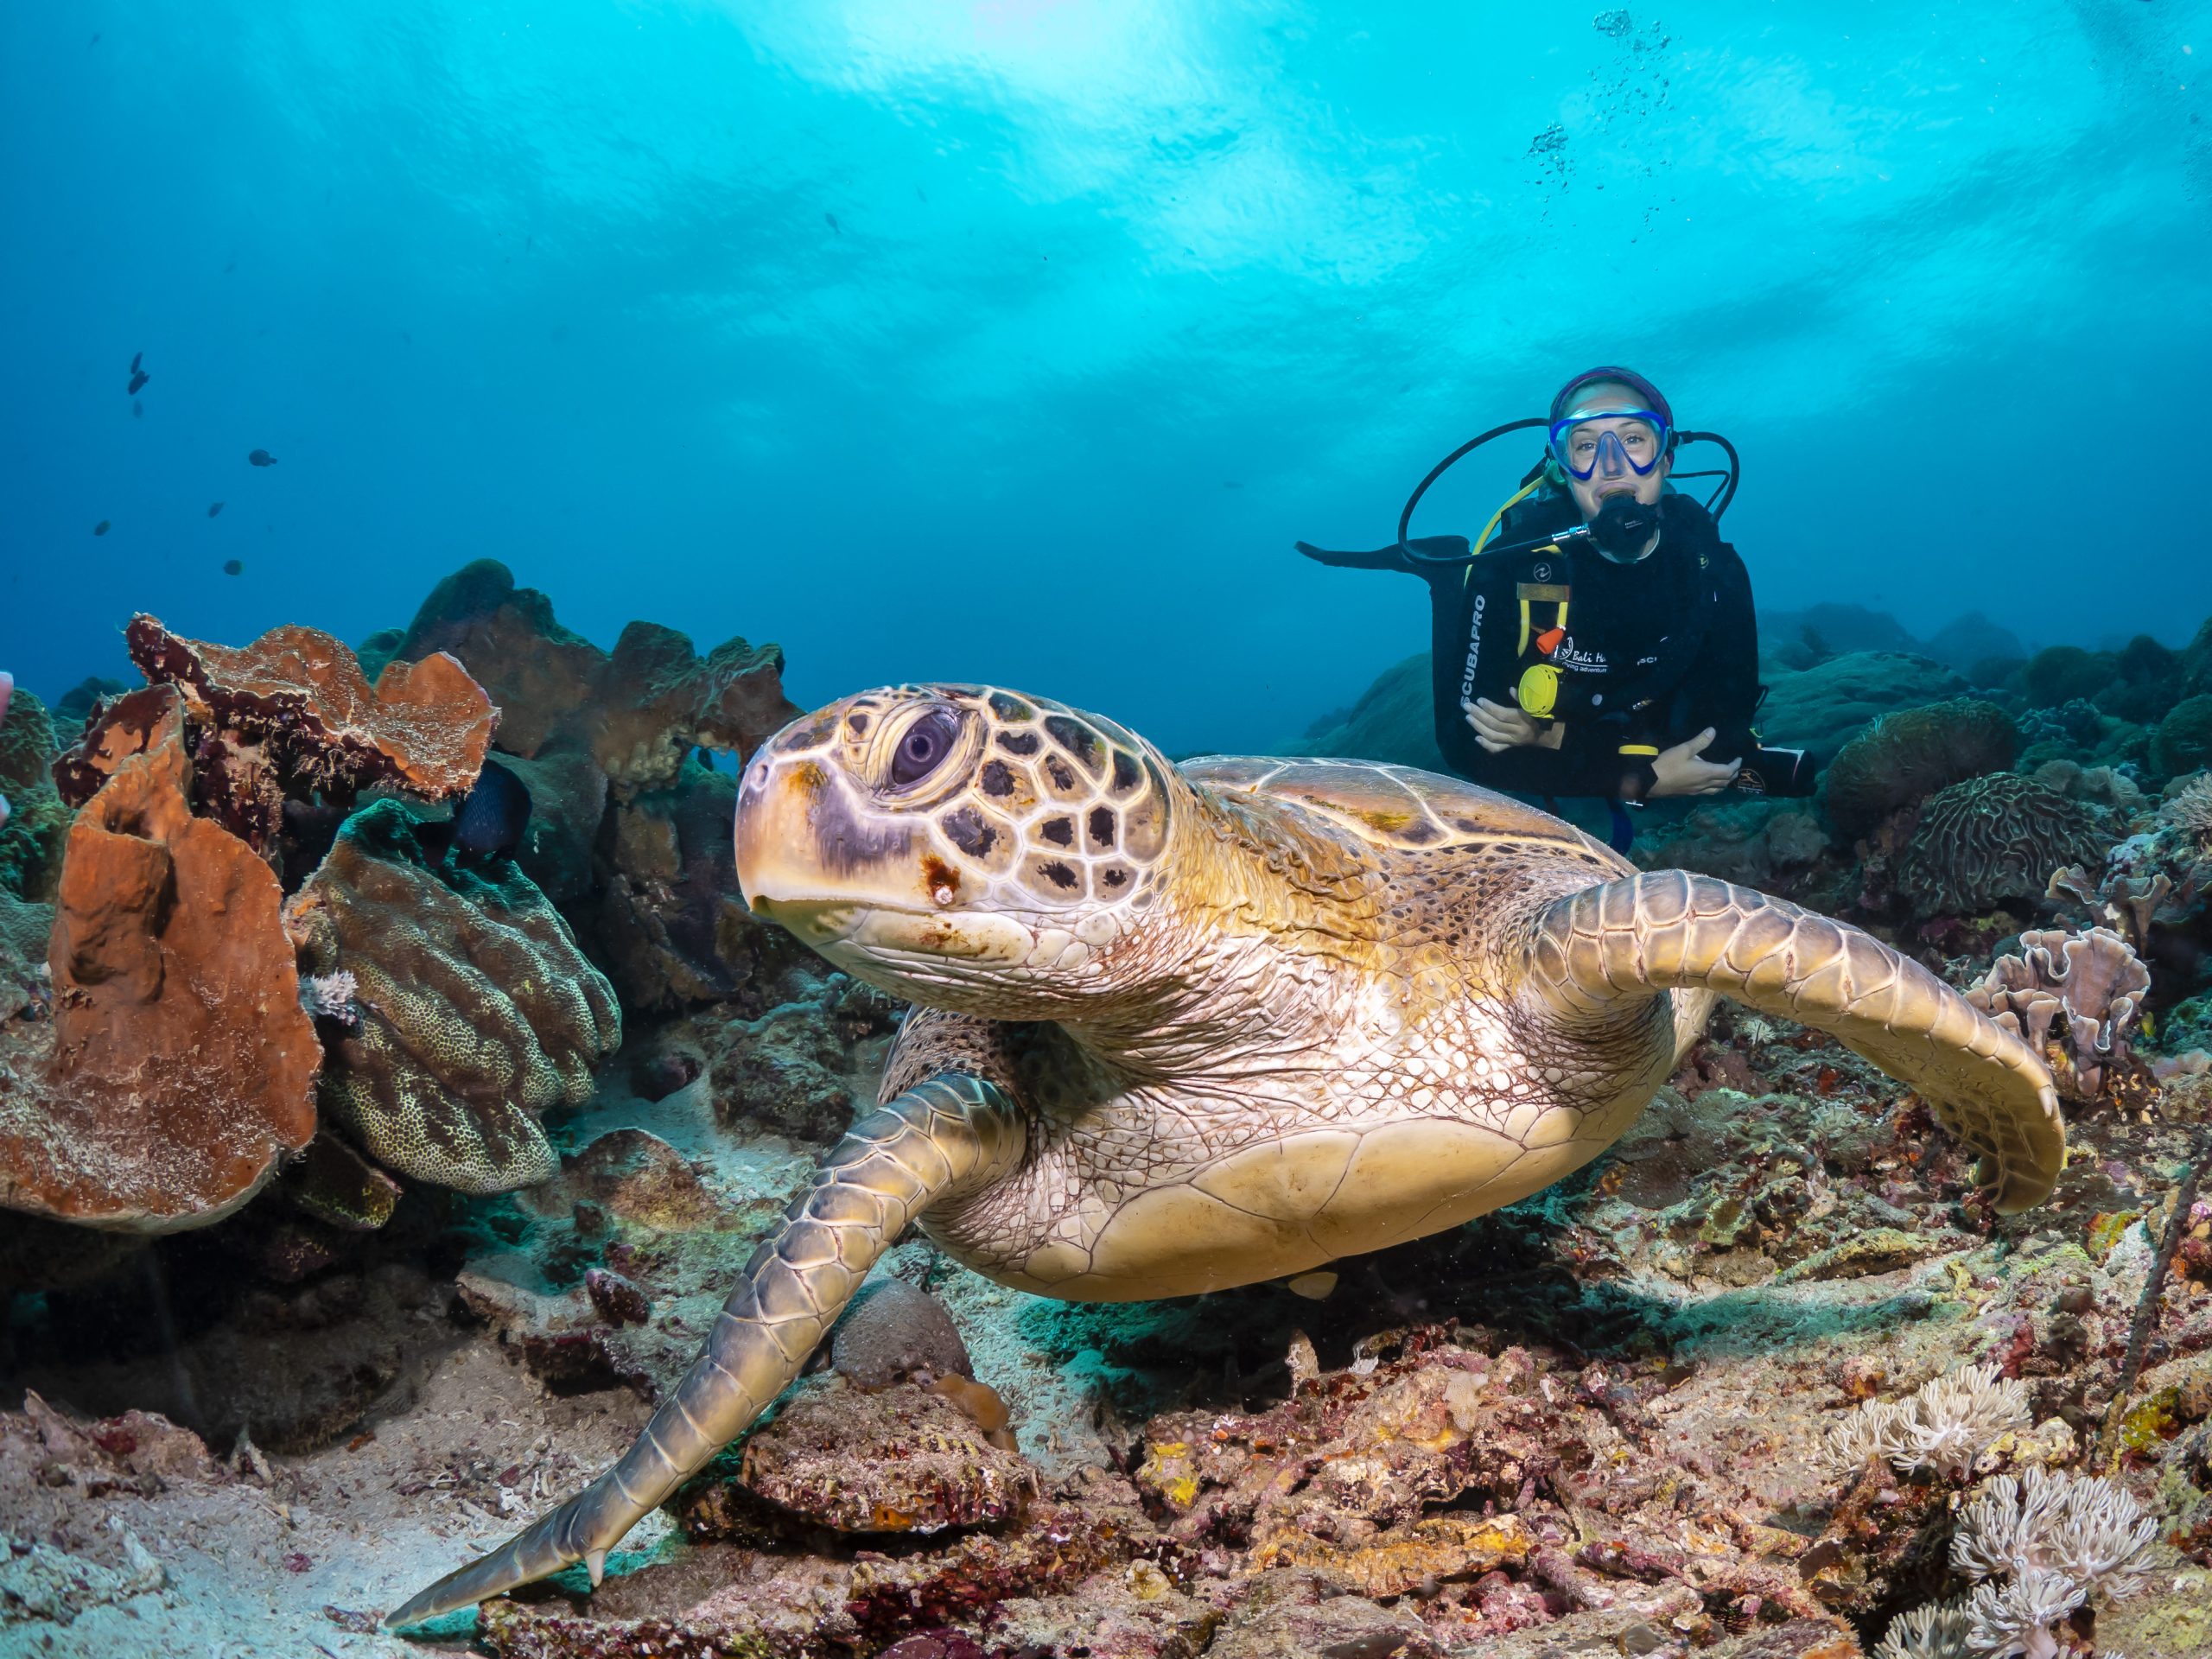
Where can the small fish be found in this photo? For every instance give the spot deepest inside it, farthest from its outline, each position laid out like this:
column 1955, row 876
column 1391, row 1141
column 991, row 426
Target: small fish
column 261, row 458
column 215, row 507
column 100, row 529
column 137, row 409
column 138, row 379
column 235, row 567
column 490, row 822
column 830, row 219
column 136, row 357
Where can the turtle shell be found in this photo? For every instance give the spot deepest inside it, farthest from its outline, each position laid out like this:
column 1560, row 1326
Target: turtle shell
column 1400, row 807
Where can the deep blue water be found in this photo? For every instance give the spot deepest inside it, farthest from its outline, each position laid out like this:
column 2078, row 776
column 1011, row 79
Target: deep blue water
column 1018, row 341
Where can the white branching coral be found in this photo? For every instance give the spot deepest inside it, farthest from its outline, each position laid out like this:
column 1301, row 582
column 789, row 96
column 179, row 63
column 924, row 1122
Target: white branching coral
column 2015, row 1618
column 1936, row 1632
column 1945, row 1424
column 2085, row 1529
column 330, row 996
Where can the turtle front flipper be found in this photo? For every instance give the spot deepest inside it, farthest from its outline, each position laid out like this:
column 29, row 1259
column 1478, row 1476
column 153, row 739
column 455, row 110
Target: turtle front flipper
column 1667, row 931
column 940, row 1138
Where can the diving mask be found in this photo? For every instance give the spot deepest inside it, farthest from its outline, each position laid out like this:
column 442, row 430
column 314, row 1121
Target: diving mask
column 1611, row 443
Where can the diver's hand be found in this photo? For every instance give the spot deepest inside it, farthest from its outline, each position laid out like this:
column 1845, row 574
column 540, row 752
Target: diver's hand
column 1680, row 771
column 1499, row 728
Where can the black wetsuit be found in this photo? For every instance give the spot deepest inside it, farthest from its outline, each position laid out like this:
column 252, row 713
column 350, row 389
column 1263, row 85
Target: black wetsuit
column 1647, row 654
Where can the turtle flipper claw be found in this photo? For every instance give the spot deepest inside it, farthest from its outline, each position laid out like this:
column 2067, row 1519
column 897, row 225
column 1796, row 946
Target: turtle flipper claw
column 937, row 1138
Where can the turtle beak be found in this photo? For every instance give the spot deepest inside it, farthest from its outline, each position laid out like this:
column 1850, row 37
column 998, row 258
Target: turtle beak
column 810, row 854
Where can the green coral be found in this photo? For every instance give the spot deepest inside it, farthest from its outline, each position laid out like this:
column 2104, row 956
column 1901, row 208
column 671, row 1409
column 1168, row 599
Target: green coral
column 2183, row 739
column 38, row 823
column 1907, row 756
column 2060, row 673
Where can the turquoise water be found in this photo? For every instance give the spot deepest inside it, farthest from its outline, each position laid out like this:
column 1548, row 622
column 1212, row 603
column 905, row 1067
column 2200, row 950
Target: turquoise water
column 1018, row 342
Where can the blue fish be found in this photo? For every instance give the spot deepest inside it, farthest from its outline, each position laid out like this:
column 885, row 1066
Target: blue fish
column 490, row 822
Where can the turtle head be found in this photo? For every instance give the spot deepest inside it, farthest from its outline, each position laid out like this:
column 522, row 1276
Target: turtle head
column 962, row 846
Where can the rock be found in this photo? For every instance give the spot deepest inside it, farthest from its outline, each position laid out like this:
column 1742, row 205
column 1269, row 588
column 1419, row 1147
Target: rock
column 639, row 1178
column 179, row 1067
column 800, row 1069
column 894, row 1332
column 1972, row 638
column 1394, row 720
column 639, row 712
column 673, row 926
column 901, row 1459
column 1290, row 1615
column 568, row 798
column 478, row 1013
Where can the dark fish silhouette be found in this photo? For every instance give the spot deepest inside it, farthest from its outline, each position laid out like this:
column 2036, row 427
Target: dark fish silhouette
column 100, row 529
column 261, row 458
column 215, row 507
column 235, row 567
column 136, row 357
column 832, row 221
column 137, row 409
column 490, row 822
column 138, row 379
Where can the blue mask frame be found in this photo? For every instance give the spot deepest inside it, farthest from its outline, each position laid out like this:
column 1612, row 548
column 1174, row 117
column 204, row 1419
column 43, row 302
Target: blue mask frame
column 1560, row 429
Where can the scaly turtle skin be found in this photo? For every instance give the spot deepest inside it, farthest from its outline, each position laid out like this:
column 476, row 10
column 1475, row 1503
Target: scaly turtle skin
column 1178, row 1030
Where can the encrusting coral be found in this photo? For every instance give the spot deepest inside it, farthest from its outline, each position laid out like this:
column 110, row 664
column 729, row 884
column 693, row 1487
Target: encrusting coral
column 178, row 1067
column 291, row 717
column 1982, row 842
column 2091, row 982
column 1907, row 756
column 475, row 1011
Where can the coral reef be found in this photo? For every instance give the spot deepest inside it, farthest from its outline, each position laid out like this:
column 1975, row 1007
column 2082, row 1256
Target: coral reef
column 1823, row 707
column 33, row 822
column 2090, row 985
column 639, row 712
column 477, row 1014
column 1903, row 758
column 179, row 1067
column 2184, row 740
column 1987, row 840
column 292, row 717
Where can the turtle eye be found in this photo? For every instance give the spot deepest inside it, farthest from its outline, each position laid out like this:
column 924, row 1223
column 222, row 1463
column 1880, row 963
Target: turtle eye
column 922, row 750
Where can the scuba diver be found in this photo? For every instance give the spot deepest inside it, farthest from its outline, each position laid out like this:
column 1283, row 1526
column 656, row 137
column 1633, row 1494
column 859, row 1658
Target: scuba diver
column 1602, row 641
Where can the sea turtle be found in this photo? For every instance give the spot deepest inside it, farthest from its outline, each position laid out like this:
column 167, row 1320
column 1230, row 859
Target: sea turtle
column 1176, row 1029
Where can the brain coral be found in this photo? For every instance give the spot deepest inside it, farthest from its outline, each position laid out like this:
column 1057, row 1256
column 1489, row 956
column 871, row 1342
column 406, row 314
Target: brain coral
column 1989, row 839
column 476, row 1011
column 1907, row 756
